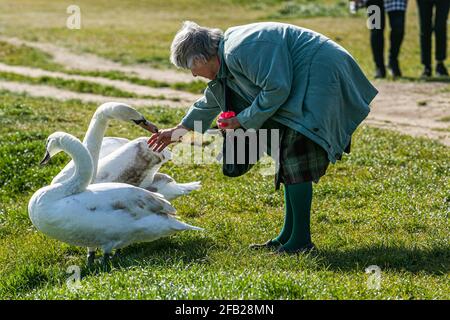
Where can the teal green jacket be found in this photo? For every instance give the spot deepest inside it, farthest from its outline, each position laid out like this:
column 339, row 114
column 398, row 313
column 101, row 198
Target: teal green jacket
column 293, row 75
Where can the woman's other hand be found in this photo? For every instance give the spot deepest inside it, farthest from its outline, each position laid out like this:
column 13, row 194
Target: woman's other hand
column 158, row 141
column 231, row 123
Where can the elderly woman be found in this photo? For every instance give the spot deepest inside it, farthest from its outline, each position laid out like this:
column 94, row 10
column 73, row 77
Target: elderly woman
column 284, row 77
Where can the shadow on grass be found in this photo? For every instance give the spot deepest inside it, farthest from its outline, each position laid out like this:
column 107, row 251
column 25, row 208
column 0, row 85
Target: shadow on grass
column 432, row 261
column 163, row 252
column 431, row 79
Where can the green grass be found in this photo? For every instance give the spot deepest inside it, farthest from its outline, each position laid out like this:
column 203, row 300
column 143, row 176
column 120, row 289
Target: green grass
column 385, row 204
column 442, row 129
column 308, row 9
column 71, row 85
column 95, row 88
column 82, row 86
column 141, row 31
column 26, row 56
column 31, row 57
column 196, row 86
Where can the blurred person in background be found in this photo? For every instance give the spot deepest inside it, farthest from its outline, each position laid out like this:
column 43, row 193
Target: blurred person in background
column 396, row 11
column 441, row 8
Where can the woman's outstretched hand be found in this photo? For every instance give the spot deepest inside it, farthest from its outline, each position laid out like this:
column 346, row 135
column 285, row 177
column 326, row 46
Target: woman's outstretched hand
column 161, row 139
column 231, row 123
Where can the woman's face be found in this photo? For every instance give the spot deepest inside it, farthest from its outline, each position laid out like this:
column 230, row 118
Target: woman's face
column 208, row 69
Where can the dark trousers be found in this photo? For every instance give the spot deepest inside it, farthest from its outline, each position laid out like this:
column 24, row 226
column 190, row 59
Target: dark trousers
column 397, row 24
column 441, row 8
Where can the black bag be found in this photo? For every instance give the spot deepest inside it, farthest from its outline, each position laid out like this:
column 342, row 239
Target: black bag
column 237, row 166
column 239, row 146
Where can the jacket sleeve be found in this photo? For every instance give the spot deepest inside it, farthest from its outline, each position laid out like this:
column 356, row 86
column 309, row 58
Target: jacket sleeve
column 203, row 112
column 271, row 70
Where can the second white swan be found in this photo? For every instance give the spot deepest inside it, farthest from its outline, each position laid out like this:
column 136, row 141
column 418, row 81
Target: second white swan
column 121, row 160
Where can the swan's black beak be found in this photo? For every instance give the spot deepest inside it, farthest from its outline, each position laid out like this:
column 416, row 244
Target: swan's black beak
column 46, row 159
column 147, row 125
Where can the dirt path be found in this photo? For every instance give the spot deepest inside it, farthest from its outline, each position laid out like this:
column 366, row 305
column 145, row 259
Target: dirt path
column 90, row 62
column 414, row 108
column 167, row 93
column 60, row 94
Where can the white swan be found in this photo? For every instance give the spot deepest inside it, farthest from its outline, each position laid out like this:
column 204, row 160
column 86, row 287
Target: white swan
column 132, row 161
column 104, row 215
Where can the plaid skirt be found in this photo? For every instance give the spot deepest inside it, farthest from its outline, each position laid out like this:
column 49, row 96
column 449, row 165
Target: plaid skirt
column 300, row 159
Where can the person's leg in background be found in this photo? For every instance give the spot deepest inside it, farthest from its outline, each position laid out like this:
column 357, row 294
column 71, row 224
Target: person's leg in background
column 425, row 21
column 440, row 33
column 377, row 41
column 397, row 23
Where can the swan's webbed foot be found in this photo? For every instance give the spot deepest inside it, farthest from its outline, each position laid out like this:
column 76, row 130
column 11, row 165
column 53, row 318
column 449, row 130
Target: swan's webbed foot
column 90, row 258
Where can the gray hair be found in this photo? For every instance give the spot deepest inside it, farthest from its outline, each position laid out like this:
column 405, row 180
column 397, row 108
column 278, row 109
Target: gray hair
column 192, row 43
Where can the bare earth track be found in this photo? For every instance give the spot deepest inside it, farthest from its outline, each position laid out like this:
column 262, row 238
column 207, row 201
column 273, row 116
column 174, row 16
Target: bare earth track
column 414, row 108
column 90, row 62
column 60, row 94
column 167, row 93
column 417, row 109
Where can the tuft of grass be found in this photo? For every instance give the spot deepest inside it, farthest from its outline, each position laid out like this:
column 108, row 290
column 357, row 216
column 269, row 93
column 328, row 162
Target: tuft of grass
column 26, row 56
column 119, row 75
column 442, row 129
column 72, row 85
column 308, row 9
column 197, row 86
column 445, row 119
column 385, row 204
column 422, row 103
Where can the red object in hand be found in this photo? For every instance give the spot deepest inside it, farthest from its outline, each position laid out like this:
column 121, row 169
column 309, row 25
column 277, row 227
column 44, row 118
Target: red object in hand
column 226, row 115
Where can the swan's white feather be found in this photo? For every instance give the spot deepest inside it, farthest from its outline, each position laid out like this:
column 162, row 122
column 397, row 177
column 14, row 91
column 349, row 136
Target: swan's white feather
column 167, row 186
column 111, row 144
column 132, row 163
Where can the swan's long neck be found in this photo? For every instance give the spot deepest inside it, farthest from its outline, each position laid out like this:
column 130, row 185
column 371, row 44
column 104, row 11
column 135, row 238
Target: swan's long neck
column 84, row 169
column 94, row 137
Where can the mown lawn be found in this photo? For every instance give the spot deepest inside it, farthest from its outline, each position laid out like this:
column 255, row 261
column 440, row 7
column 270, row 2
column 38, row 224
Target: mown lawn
column 385, row 204
column 141, row 31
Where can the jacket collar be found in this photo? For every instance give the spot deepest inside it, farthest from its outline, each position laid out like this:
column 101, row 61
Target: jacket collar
column 223, row 70
column 217, row 86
